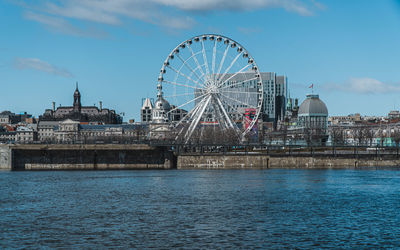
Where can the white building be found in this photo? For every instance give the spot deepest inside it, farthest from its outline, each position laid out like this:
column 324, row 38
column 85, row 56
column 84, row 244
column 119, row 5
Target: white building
column 146, row 110
column 161, row 108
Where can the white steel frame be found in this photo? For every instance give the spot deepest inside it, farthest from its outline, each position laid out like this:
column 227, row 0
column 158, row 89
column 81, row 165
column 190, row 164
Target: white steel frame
column 210, row 84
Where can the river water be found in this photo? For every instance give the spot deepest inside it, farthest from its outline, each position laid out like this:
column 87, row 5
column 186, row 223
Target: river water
column 200, row 209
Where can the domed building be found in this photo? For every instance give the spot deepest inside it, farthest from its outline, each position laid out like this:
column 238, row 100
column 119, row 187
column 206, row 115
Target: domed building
column 161, row 108
column 313, row 119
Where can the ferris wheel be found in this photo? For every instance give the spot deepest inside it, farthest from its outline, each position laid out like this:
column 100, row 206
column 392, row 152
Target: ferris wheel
column 213, row 81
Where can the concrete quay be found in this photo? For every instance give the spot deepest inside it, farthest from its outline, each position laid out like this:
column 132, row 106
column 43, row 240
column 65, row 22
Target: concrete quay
column 142, row 156
column 5, row 157
column 263, row 161
column 84, row 157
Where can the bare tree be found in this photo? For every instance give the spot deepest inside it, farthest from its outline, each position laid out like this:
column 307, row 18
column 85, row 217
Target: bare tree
column 369, row 135
column 381, row 136
column 283, row 134
column 337, row 136
column 231, row 136
column 359, row 134
column 307, row 134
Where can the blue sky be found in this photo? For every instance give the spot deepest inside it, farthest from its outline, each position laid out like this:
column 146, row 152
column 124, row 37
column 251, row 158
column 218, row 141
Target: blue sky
column 115, row 48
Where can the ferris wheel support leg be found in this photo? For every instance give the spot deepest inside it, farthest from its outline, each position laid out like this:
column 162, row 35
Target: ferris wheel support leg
column 236, row 128
column 193, row 111
column 220, row 116
column 193, row 125
column 224, row 112
column 189, row 115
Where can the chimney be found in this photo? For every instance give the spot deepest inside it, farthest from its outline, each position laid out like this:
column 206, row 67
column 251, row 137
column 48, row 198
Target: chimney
column 101, row 105
column 54, row 106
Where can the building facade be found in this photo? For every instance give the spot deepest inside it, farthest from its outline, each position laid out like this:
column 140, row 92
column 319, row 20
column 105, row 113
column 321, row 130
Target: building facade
column 313, row 120
column 77, row 112
column 161, row 111
column 7, row 117
column 146, row 110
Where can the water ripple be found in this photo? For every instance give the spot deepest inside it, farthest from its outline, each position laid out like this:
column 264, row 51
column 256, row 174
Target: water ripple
column 200, row 209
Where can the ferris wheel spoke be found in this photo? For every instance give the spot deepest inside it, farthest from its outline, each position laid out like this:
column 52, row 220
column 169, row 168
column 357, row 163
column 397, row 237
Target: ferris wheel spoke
column 240, row 95
column 182, row 74
column 180, row 84
column 176, row 95
column 240, row 71
column 222, row 60
column 193, row 125
column 213, row 59
column 248, row 94
column 233, row 109
column 186, row 103
column 205, row 58
column 236, row 112
column 235, row 100
column 195, row 59
column 188, row 66
column 237, row 83
column 230, row 66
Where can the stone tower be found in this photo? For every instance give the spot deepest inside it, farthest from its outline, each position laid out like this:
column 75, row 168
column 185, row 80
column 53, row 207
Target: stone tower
column 77, row 100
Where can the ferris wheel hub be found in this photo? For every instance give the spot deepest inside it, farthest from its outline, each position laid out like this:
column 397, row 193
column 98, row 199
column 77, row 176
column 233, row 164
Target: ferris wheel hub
column 212, row 89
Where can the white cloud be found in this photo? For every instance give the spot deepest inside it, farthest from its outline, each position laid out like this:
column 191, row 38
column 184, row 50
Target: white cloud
column 238, row 5
column 37, row 64
column 113, row 12
column 364, row 86
column 175, row 14
column 62, row 26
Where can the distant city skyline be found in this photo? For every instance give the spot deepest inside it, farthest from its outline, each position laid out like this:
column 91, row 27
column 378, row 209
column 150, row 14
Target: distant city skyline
column 115, row 49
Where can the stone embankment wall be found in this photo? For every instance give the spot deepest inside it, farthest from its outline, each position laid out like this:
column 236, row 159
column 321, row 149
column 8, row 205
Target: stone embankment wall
column 86, row 157
column 222, row 161
column 70, row 157
column 330, row 162
column 264, row 161
column 5, row 157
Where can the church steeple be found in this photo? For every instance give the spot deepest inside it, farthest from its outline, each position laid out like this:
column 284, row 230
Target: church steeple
column 77, row 99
